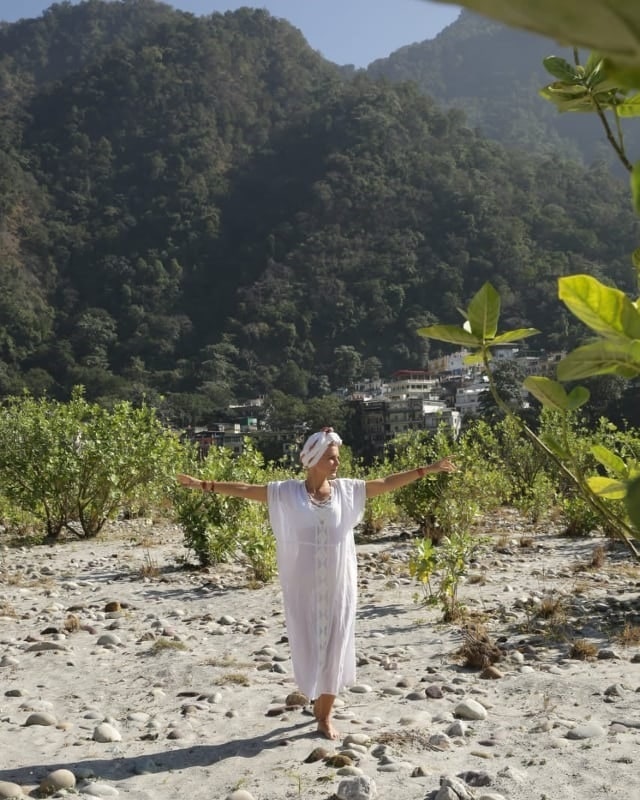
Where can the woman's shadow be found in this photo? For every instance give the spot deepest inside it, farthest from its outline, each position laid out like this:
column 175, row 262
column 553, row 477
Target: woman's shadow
column 119, row 768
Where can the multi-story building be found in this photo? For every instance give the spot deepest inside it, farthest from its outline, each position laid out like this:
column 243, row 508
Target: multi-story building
column 380, row 421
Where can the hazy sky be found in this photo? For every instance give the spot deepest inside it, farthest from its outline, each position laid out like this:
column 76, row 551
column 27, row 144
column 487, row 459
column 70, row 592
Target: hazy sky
column 345, row 31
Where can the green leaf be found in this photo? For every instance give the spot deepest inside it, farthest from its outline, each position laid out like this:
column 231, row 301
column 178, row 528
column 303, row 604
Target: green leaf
column 624, row 75
column 610, row 460
column 474, row 358
column 560, row 68
column 595, row 64
column 601, row 358
column 555, row 446
column 451, row 334
column 632, row 503
column 630, row 107
column 513, row 336
column 607, row 487
column 605, row 310
column 577, row 397
column 611, row 27
column 483, row 312
column 550, row 393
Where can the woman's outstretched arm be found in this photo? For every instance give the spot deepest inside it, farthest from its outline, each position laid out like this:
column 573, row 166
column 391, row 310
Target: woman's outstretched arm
column 400, row 479
column 246, row 491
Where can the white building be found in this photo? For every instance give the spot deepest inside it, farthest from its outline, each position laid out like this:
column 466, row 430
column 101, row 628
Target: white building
column 468, row 397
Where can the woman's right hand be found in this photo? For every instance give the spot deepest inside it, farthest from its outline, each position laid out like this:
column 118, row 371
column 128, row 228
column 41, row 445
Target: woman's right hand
column 188, row 481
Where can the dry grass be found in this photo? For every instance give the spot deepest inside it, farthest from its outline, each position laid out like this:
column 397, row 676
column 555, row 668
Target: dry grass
column 504, row 540
column 405, row 738
column 526, row 541
column 479, row 650
column 582, row 650
column 598, row 557
column 227, row 662
column 7, row 610
column 629, row 636
column 72, row 623
column 233, row 679
column 553, row 609
column 164, row 644
column 150, row 568
column 18, row 578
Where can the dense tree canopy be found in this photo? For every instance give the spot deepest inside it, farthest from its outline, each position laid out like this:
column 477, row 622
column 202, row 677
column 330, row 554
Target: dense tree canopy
column 200, row 210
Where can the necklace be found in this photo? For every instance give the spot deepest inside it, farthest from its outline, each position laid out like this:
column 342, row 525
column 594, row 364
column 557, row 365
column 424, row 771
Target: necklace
column 319, row 501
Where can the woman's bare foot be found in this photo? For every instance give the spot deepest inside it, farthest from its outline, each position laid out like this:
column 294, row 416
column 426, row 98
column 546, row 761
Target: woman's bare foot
column 322, row 712
column 326, row 728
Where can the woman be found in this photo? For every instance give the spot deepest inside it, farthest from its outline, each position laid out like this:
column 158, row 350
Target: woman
column 313, row 522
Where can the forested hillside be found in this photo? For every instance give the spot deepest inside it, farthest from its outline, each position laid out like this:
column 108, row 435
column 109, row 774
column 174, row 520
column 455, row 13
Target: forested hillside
column 204, row 209
column 493, row 73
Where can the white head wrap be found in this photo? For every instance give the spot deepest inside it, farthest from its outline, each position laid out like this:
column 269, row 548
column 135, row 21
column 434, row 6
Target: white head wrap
column 316, row 445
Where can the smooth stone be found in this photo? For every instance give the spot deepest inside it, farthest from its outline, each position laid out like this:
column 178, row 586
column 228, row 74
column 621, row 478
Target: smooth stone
column 109, row 640
column 9, row 790
column 361, row 787
column 350, row 770
column 587, row 730
column 361, row 688
column 491, row 673
column 476, row 778
column 96, row 789
column 40, row 647
column 452, row 789
column 106, row 733
column 457, row 728
column 57, row 780
column 470, row 709
column 138, row 716
column 239, row 794
column 41, row 718
column 356, row 738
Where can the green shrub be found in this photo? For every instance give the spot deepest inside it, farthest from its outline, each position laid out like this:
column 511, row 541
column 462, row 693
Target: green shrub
column 75, row 465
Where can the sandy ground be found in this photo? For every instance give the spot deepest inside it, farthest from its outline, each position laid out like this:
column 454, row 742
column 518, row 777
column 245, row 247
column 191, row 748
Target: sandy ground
column 185, row 673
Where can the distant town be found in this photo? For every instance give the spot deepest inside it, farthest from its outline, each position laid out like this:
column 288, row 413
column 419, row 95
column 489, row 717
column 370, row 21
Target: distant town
column 444, row 393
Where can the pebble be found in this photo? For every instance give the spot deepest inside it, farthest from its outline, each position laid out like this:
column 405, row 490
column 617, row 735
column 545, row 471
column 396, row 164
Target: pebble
column 360, row 787
column 586, row 730
column 97, row 789
column 41, row 718
column 57, row 780
column 239, row 794
column 470, row 709
column 106, row 733
column 10, row 790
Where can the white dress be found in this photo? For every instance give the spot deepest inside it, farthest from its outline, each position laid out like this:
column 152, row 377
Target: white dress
column 317, row 567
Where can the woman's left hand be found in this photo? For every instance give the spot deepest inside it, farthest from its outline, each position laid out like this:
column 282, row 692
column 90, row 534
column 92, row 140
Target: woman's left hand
column 444, row 465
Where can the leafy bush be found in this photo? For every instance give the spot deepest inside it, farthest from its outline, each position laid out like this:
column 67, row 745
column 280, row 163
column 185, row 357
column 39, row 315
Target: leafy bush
column 68, row 463
column 447, row 561
column 577, row 516
column 414, row 449
column 381, row 510
column 218, row 528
